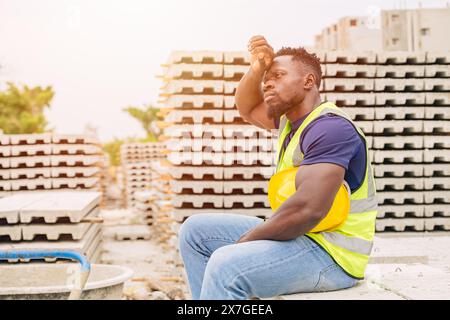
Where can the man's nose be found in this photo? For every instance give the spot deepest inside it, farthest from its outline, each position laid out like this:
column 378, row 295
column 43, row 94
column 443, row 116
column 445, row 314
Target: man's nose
column 267, row 86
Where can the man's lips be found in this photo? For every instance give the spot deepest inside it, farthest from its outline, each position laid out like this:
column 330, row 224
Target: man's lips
column 269, row 96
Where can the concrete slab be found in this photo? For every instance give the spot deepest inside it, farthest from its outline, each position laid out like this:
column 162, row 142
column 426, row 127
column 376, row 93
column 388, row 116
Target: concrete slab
column 351, row 99
column 197, row 187
column 4, row 163
column 398, row 142
column 195, row 101
column 59, row 204
column 441, row 196
column 75, row 160
column 437, row 98
column 390, row 184
column 236, row 57
column 401, row 211
column 196, row 144
column 5, row 151
column 196, row 158
column 195, row 130
column 10, row 233
column 390, row 113
column 364, row 290
column 402, row 197
column 201, row 56
column 410, row 224
column 229, row 87
column 195, row 116
column 360, row 113
column 231, row 116
column 437, row 113
column 31, row 150
column 193, row 71
column 349, row 71
column 400, row 71
column 398, row 170
column 71, row 172
column 348, row 84
column 180, row 215
column 80, row 246
column 436, row 84
column 75, row 231
column 246, row 201
column 400, row 98
column 247, row 172
column 438, row 57
column 437, row 224
column 405, row 84
column 75, row 183
column 196, row 172
column 398, row 156
column 5, row 174
column 438, row 183
column 436, row 156
column 360, row 58
column 436, row 169
column 39, row 138
column 76, row 149
column 412, row 281
column 229, row 102
column 198, row 201
column 401, row 57
column 246, row 187
column 29, row 173
column 30, row 162
column 193, row 86
column 235, row 72
column 249, row 158
column 437, row 71
column 31, row 184
column 436, row 127
column 4, row 139
column 74, row 139
column 437, row 210
column 244, row 131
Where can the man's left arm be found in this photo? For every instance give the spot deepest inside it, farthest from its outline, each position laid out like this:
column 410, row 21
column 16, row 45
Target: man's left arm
column 317, row 186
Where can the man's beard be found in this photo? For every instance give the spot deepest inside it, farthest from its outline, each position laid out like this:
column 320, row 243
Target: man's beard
column 277, row 109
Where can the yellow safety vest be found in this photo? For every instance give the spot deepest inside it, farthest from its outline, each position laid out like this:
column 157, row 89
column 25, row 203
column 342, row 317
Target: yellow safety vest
column 351, row 243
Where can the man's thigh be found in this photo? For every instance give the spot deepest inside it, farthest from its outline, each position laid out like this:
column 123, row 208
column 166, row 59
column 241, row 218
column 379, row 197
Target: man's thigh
column 268, row 268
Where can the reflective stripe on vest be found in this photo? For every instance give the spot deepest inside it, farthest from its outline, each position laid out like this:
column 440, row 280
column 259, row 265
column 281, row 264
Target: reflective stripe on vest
column 350, row 243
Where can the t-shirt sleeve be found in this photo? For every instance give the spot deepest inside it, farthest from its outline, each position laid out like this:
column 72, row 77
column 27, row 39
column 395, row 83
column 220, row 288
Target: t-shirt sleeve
column 330, row 139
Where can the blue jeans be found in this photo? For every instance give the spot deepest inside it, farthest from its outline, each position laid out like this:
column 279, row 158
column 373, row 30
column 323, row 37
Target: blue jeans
column 217, row 268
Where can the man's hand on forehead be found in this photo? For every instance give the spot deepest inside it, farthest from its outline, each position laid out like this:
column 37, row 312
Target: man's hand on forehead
column 261, row 53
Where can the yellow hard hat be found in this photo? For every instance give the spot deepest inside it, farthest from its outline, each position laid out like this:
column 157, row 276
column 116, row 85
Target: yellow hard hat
column 282, row 186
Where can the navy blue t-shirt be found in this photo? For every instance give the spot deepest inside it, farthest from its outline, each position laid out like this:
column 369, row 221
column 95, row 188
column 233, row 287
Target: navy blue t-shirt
column 332, row 139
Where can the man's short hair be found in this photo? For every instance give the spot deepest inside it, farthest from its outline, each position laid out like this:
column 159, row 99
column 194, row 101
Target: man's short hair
column 309, row 59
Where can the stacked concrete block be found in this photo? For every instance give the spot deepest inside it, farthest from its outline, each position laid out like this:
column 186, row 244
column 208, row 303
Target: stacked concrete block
column 219, row 162
column 49, row 161
column 137, row 160
column 54, row 220
column 401, row 101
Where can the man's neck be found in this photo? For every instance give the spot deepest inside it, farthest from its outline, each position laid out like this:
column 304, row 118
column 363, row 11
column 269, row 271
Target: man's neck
column 307, row 105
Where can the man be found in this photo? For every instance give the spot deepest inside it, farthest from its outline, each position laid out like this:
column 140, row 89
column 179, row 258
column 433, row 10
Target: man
column 239, row 257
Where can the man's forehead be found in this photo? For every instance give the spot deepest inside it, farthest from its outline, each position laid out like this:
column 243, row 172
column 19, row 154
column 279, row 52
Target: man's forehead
column 282, row 62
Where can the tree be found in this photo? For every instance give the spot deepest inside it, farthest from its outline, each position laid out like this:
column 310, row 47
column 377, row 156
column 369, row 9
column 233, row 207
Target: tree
column 113, row 150
column 22, row 110
column 147, row 116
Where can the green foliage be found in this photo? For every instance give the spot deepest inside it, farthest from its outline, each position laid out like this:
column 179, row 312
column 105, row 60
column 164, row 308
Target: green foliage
column 22, row 110
column 113, row 150
column 147, row 116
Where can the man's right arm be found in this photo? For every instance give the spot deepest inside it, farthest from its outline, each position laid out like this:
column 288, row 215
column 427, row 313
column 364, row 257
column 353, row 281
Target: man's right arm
column 249, row 96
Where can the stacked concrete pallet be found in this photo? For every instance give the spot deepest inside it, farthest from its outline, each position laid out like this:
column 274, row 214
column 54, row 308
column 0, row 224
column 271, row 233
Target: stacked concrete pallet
column 137, row 159
column 220, row 162
column 401, row 100
column 49, row 161
column 54, row 220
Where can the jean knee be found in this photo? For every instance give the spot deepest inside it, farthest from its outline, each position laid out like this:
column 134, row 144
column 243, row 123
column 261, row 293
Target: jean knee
column 191, row 226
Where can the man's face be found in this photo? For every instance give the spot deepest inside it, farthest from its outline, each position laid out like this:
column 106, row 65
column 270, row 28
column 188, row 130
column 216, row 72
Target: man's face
column 283, row 86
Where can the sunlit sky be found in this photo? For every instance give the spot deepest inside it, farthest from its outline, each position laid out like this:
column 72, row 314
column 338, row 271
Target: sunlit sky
column 103, row 55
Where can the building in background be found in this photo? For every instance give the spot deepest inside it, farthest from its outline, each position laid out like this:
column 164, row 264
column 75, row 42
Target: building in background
column 416, row 29
column 350, row 34
column 421, row 29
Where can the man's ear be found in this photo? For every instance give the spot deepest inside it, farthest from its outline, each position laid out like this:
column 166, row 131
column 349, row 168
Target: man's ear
column 310, row 81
